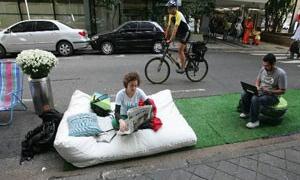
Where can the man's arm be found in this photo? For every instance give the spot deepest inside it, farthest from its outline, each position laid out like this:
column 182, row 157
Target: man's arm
column 277, row 91
column 257, row 83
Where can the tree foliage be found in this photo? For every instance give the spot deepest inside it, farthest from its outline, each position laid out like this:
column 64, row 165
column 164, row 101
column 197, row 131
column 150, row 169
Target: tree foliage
column 110, row 5
column 276, row 12
column 198, row 8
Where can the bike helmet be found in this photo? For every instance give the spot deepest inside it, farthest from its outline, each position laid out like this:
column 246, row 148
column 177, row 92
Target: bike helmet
column 172, row 3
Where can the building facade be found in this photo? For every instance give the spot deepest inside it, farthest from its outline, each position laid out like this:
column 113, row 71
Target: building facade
column 94, row 16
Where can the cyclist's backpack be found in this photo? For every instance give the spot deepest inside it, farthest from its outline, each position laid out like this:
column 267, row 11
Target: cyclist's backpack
column 199, row 49
column 100, row 104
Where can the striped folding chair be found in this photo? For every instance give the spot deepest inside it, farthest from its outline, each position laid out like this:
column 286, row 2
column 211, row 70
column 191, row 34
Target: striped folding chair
column 11, row 89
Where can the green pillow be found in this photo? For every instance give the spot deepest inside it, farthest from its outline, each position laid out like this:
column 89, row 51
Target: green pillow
column 83, row 124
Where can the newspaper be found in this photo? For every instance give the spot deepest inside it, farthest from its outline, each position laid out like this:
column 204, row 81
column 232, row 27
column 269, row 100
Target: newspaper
column 136, row 117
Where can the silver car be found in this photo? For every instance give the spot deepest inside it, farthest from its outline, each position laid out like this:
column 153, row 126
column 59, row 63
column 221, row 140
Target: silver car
column 43, row 34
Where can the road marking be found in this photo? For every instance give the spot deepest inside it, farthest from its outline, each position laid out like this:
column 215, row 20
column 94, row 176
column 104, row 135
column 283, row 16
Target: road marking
column 263, row 54
column 281, row 58
column 188, row 90
column 122, row 55
column 290, row 62
column 27, row 100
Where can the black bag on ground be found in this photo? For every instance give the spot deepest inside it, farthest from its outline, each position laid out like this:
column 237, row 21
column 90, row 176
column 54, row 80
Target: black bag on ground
column 42, row 137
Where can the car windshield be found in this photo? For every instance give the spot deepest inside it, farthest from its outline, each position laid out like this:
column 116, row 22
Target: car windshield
column 120, row 27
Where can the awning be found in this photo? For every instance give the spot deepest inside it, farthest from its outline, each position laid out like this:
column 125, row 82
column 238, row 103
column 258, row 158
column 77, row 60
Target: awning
column 238, row 3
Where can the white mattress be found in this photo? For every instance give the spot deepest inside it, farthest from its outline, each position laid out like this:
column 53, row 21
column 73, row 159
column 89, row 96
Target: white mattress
column 85, row 151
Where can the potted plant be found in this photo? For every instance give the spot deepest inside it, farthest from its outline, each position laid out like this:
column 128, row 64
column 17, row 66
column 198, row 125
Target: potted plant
column 37, row 64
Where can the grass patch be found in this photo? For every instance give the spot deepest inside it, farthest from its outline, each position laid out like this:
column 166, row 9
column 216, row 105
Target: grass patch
column 216, row 121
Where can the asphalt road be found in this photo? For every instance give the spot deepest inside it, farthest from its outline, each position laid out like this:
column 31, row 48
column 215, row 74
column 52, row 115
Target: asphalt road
column 93, row 72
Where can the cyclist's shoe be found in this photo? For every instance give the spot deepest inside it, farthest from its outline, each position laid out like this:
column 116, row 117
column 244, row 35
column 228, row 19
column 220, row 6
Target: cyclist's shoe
column 180, row 71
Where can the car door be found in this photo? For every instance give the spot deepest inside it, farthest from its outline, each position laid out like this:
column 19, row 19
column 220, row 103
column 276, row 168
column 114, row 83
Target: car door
column 145, row 35
column 45, row 35
column 126, row 36
column 19, row 37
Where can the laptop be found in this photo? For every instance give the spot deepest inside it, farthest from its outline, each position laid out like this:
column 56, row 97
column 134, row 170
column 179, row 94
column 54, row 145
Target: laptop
column 251, row 89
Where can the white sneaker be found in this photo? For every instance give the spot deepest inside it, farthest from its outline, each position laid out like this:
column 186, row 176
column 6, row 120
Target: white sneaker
column 244, row 116
column 252, row 124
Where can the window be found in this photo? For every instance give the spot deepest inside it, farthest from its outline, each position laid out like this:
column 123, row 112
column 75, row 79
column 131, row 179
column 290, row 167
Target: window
column 46, row 26
column 23, row 27
column 130, row 26
column 146, row 26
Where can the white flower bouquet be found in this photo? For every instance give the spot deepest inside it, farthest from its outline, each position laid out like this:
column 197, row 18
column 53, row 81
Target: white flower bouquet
column 36, row 63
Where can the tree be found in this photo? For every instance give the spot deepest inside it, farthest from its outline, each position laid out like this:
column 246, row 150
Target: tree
column 110, row 5
column 276, row 12
column 197, row 8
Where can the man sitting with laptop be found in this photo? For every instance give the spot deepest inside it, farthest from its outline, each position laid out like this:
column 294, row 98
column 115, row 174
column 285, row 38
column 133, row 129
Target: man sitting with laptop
column 271, row 82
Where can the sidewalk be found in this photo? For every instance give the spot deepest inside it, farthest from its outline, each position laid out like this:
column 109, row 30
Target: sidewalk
column 236, row 46
column 275, row 158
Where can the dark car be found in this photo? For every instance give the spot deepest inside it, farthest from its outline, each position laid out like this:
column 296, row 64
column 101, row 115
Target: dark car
column 130, row 36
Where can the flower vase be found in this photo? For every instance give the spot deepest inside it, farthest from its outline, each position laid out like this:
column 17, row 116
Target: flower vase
column 41, row 93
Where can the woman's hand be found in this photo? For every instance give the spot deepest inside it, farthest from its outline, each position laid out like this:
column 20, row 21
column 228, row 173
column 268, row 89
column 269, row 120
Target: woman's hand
column 123, row 125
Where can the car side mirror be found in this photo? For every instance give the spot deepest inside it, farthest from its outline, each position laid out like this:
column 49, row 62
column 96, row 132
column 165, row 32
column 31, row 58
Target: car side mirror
column 7, row 31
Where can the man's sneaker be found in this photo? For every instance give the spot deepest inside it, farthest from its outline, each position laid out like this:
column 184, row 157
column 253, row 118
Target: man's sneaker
column 252, row 124
column 244, row 115
column 180, row 71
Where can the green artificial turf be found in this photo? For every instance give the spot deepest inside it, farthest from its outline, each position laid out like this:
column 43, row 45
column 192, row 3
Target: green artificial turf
column 216, row 121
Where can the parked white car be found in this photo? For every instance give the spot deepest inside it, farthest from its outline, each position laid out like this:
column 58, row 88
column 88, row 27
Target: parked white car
column 49, row 35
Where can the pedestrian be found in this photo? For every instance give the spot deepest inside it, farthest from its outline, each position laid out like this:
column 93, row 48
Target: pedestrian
column 239, row 29
column 271, row 83
column 181, row 31
column 256, row 36
column 294, row 49
column 248, row 28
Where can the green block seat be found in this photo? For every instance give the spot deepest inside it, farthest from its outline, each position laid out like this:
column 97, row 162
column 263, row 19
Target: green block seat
column 276, row 112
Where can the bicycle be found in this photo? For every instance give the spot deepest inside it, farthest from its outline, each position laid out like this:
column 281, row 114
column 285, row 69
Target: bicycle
column 157, row 69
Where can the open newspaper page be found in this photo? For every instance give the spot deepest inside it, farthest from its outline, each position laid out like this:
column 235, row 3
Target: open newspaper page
column 136, row 117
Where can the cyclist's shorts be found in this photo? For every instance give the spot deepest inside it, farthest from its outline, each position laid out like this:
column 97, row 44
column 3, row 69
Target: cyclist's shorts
column 183, row 37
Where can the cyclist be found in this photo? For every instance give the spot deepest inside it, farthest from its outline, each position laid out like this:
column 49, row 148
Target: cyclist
column 181, row 31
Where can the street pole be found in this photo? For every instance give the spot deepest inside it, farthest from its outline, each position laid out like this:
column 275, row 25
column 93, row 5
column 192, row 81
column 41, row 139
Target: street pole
column 27, row 9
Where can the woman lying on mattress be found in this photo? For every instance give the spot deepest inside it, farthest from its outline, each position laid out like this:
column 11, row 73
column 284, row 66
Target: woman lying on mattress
column 128, row 98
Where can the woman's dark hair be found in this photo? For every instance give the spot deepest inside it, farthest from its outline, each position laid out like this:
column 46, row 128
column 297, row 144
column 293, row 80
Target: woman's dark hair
column 270, row 58
column 132, row 76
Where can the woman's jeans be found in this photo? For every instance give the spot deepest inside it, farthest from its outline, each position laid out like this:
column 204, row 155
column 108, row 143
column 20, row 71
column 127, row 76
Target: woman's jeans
column 251, row 104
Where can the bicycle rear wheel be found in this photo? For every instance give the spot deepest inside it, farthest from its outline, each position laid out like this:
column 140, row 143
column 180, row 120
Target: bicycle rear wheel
column 196, row 70
column 157, row 70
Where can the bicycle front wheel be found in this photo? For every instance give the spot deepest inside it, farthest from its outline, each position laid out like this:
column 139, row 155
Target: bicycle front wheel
column 157, row 70
column 196, row 70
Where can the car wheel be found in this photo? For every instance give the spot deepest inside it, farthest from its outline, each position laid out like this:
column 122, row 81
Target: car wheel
column 65, row 48
column 157, row 47
column 2, row 52
column 107, row 48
